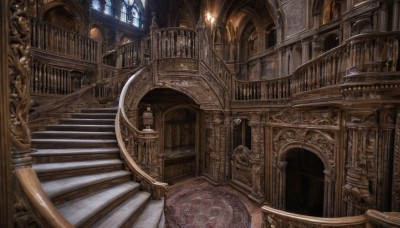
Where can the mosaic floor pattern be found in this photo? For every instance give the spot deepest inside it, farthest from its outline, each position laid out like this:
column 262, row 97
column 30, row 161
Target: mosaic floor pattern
column 205, row 206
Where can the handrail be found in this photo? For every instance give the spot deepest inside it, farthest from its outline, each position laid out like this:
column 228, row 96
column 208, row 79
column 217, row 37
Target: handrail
column 63, row 101
column 157, row 189
column 215, row 63
column 362, row 53
column 30, row 185
column 386, row 219
column 276, row 218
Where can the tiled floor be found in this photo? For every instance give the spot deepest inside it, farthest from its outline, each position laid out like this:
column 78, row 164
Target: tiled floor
column 208, row 212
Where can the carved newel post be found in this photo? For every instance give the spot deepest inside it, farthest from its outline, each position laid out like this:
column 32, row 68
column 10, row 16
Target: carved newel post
column 148, row 119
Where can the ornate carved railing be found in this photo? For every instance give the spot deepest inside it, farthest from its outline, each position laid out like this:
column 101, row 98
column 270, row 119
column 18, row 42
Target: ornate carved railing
column 175, row 43
column 139, row 148
column 263, row 90
column 214, row 62
column 42, row 114
column 281, row 219
column 186, row 43
column 49, row 79
column 58, row 40
column 131, row 54
column 351, row 64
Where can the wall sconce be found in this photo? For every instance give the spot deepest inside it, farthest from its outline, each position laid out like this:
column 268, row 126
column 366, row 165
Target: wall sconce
column 209, row 18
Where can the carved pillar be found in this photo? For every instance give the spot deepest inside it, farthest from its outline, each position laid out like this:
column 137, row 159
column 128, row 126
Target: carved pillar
column 215, row 147
column 154, row 46
column 396, row 15
column 396, row 167
column 329, row 192
column 6, row 194
column 281, row 185
column 257, row 144
column 360, row 166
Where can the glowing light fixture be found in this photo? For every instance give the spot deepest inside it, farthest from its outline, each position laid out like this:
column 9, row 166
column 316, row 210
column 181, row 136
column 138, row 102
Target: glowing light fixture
column 209, row 18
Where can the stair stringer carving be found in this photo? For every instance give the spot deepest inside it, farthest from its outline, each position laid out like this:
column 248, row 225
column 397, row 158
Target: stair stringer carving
column 208, row 95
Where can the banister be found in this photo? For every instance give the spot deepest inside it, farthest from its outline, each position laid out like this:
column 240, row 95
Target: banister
column 277, row 218
column 157, row 189
column 386, row 219
column 30, row 185
column 331, row 69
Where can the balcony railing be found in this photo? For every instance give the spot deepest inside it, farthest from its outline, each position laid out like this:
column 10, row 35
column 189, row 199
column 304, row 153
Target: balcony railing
column 350, row 64
column 58, row 40
column 175, row 43
column 263, row 90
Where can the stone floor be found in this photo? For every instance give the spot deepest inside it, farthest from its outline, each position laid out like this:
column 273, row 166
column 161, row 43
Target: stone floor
column 196, row 203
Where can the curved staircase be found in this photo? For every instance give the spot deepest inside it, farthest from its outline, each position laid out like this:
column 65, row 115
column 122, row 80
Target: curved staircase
column 80, row 169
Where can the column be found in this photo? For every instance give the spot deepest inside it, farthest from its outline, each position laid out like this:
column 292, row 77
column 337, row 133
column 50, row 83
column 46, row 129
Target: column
column 6, row 192
column 257, row 149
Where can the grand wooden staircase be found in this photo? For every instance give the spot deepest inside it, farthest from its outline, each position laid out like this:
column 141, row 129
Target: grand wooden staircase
column 79, row 165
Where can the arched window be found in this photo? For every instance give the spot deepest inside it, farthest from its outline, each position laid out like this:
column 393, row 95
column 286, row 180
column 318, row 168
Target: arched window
column 270, row 40
column 123, row 12
column 108, row 8
column 331, row 10
column 130, row 13
column 135, row 17
column 96, row 4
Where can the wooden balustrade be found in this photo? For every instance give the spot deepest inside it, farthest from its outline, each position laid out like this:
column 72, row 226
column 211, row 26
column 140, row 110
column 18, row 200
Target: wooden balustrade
column 214, row 62
column 274, row 218
column 130, row 54
column 111, row 83
column 263, row 90
column 59, row 40
column 47, row 79
column 176, row 43
column 361, row 54
column 139, row 148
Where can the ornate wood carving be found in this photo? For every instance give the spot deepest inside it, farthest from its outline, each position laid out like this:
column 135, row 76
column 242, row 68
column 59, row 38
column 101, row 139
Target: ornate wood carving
column 396, row 168
column 18, row 64
column 295, row 117
column 361, row 152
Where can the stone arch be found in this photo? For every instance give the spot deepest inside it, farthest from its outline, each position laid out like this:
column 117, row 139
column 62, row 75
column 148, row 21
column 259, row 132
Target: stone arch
column 329, row 174
column 196, row 88
column 310, row 147
column 76, row 13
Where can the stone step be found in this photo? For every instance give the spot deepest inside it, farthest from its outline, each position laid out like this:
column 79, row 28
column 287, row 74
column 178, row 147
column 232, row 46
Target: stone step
column 127, row 213
column 53, row 171
column 75, row 154
column 66, row 189
column 73, row 143
column 93, row 115
column 87, row 121
column 80, row 127
column 152, row 216
column 84, row 211
column 72, row 135
column 100, row 110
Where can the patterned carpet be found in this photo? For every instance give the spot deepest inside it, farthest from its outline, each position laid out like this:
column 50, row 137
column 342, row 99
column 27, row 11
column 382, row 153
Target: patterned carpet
column 205, row 206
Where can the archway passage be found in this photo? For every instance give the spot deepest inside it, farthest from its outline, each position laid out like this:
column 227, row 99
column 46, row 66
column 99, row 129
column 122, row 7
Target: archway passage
column 179, row 143
column 304, row 183
column 177, row 122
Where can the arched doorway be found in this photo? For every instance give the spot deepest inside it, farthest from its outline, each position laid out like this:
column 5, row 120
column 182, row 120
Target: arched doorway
column 179, row 144
column 304, row 183
column 176, row 118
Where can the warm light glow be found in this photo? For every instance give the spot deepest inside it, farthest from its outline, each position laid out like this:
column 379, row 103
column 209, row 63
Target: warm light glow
column 210, row 18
